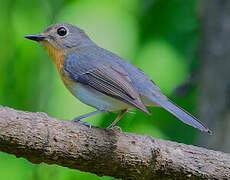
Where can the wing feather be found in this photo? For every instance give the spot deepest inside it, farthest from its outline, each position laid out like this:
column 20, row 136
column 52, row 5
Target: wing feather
column 107, row 79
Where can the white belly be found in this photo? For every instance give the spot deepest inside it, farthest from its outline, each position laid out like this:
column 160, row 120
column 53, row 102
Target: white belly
column 96, row 99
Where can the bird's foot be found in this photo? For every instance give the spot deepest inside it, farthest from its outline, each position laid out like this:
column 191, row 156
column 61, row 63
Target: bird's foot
column 115, row 128
column 78, row 120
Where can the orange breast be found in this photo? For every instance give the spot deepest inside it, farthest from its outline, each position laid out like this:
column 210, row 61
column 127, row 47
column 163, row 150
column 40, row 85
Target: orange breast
column 58, row 57
column 69, row 83
column 56, row 54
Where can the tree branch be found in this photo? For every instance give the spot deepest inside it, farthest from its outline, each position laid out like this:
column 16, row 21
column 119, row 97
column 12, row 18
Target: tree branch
column 40, row 138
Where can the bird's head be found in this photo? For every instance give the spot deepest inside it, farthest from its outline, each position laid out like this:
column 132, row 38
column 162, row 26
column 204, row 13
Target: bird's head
column 61, row 37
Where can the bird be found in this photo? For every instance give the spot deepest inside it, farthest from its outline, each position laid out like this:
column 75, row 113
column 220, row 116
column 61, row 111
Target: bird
column 102, row 79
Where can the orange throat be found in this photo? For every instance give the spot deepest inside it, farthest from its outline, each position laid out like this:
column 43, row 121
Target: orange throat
column 58, row 57
column 56, row 54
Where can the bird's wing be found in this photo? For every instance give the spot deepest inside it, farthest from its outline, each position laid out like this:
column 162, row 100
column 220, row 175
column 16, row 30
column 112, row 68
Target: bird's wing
column 108, row 78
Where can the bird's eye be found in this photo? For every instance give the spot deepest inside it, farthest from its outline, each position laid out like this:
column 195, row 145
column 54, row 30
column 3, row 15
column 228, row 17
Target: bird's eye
column 61, row 31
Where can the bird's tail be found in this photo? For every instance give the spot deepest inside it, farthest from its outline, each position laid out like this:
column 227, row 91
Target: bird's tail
column 179, row 112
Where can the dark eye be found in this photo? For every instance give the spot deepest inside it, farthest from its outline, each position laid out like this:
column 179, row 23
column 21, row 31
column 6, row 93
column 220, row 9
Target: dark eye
column 61, row 31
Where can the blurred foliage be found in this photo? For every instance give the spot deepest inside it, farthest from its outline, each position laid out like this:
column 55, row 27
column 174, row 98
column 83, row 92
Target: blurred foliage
column 161, row 37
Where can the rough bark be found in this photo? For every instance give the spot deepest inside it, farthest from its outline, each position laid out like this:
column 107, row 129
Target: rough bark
column 215, row 73
column 40, row 138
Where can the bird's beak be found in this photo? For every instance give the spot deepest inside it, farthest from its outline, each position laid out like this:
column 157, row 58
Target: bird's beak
column 36, row 37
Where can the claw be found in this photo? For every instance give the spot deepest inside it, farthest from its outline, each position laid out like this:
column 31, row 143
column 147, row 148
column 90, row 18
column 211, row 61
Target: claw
column 116, row 128
column 77, row 120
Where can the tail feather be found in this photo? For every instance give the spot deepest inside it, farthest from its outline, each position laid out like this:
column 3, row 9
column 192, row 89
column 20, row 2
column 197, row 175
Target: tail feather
column 180, row 113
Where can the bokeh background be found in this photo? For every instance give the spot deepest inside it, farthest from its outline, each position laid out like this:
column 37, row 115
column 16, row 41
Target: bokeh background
column 182, row 45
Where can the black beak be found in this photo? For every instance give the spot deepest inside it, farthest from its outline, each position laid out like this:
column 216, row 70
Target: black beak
column 35, row 37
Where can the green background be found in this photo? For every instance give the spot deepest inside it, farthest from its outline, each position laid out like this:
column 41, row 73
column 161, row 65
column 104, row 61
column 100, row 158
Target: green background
column 160, row 37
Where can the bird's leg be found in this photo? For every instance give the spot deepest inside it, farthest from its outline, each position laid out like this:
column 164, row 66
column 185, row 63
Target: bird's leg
column 78, row 119
column 118, row 118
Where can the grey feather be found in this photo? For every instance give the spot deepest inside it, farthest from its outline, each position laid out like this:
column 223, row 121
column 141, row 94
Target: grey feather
column 109, row 79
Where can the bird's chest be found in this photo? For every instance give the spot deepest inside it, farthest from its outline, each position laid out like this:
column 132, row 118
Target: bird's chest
column 59, row 58
column 56, row 54
column 69, row 83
